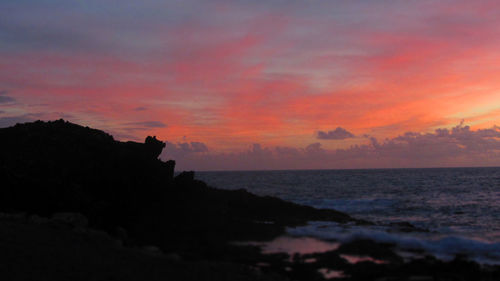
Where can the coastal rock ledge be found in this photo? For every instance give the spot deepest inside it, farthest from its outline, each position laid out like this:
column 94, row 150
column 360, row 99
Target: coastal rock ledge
column 168, row 227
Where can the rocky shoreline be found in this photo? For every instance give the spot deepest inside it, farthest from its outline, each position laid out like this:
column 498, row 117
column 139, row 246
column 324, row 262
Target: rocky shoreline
column 63, row 247
column 78, row 205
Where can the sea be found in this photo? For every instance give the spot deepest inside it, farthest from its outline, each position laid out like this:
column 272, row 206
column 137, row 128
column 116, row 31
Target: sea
column 458, row 207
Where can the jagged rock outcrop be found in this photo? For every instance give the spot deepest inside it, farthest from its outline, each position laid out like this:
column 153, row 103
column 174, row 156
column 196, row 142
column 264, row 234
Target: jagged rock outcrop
column 60, row 167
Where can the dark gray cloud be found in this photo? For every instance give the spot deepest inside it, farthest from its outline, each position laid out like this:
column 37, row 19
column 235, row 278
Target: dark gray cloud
column 35, row 37
column 93, row 26
column 4, row 98
column 337, row 134
column 199, row 147
column 118, row 135
column 183, row 149
column 286, row 151
column 147, row 124
column 7, row 121
column 13, row 120
column 132, row 130
column 140, row 108
column 314, row 148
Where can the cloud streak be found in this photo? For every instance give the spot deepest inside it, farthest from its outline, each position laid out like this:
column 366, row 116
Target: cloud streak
column 4, row 98
column 148, row 124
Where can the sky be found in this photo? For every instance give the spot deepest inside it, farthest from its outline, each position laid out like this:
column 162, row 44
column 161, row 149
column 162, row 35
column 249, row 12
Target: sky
column 254, row 84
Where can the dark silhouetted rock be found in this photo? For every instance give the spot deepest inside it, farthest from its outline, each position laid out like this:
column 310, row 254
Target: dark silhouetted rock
column 154, row 146
column 168, row 168
column 60, row 167
column 184, row 178
column 364, row 247
column 406, row 227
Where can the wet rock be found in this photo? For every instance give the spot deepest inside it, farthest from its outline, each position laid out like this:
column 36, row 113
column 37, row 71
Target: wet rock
column 70, row 219
column 121, row 234
column 151, row 250
column 36, row 219
column 406, row 227
column 364, row 247
column 420, row 278
column 330, row 259
column 13, row 216
column 173, row 257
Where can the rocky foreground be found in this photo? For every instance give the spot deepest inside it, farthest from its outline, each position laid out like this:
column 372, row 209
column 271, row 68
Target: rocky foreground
column 78, row 205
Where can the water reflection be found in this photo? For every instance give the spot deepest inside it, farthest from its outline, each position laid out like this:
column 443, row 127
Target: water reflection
column 356, row 259
column 300, row 245
column 328, row 273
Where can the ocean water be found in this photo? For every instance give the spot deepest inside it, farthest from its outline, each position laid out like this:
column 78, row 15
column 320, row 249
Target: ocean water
column 459, row 206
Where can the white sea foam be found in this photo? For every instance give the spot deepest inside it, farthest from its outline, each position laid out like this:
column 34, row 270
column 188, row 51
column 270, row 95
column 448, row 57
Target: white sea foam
column 444, row 247
column 459, row 206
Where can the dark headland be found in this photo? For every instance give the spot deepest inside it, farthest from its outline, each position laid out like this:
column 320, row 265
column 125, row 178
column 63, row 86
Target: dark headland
column 78, row 205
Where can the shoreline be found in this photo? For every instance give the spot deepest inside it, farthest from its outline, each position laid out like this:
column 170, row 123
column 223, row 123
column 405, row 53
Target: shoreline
column 97, row 208
column 43, row 242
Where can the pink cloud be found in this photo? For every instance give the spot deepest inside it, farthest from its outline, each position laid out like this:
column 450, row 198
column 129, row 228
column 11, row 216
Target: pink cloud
column 457, row 147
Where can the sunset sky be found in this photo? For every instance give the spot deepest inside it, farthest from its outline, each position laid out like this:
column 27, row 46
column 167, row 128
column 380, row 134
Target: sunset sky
column 269, row 84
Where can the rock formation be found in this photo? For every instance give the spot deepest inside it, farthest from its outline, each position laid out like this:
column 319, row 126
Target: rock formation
column 60, row 167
